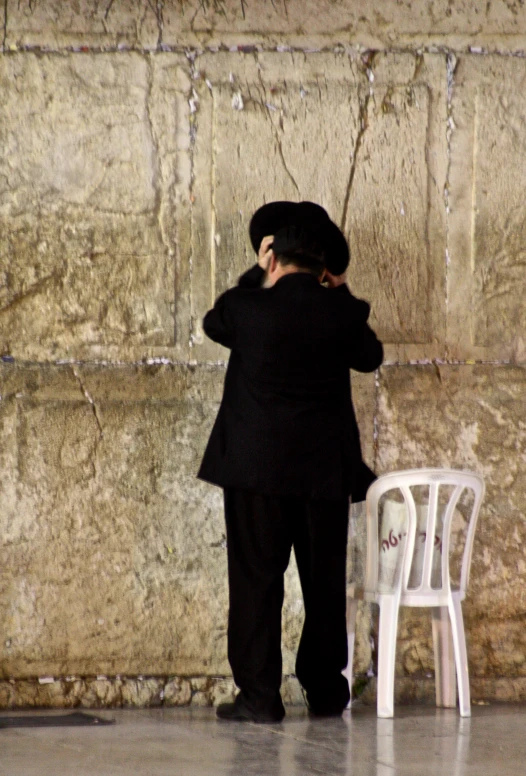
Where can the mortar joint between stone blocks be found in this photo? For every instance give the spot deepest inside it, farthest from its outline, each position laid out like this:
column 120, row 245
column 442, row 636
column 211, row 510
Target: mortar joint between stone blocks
column 332, row 48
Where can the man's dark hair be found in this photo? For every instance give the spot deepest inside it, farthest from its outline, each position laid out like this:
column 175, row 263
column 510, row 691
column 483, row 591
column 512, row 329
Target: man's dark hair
column 295, row 246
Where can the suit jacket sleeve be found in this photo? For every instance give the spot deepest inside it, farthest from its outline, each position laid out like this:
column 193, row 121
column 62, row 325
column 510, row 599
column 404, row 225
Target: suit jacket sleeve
column 252, row 278
column 365, row 351
column 218, row 322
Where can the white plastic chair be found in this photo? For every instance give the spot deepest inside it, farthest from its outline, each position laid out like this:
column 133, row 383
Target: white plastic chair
column 445, row 601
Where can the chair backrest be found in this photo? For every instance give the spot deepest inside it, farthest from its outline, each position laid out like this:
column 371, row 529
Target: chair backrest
column 435, row 479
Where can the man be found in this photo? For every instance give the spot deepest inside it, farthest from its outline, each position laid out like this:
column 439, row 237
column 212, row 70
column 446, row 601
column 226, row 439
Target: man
column 285, row 447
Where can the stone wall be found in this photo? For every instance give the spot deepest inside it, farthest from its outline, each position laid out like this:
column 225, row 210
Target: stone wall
column 137, row 139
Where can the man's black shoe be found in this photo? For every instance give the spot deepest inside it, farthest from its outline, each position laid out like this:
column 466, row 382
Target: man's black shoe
column 240, row 712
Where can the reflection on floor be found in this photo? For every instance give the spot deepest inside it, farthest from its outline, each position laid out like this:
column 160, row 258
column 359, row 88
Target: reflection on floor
column 183, row 742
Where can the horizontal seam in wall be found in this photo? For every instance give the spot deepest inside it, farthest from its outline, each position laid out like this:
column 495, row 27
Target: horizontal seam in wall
column 341, row 48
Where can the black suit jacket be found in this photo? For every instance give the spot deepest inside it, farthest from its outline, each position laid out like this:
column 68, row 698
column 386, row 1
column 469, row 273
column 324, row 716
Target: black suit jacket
column 286, row 425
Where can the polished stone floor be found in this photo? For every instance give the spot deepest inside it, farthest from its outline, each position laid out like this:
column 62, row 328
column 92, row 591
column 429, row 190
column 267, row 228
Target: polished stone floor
column 420, row 741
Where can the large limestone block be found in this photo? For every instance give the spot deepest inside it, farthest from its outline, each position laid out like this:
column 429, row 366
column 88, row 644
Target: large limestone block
column 82, row 23
column 468, row 417
column 499, row 25
column 89, row 204
column 364, row 138
column 113, row 556
column 487, row 277
column 376, row 24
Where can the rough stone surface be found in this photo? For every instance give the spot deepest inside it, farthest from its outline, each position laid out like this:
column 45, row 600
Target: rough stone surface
column 82, row 23
column 275, row 107
column 112, row 550
column 87, row 204
column 303, row 23
column 487, row 187
column 469, row 417
column 138, row 138
column 114, row 554
column 122, row 692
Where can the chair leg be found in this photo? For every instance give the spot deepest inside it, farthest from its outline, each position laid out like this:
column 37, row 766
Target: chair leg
column 389, row 605
column 445, row 678
column 352, row 608
column 461, row 655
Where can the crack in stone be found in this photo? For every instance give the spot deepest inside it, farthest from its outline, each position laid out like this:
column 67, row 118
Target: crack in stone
column 4, row 40
column 266, row 112
column 87, row 395
column 108, row 9
column 363, row 125
column 160, row 22
column 33, row 290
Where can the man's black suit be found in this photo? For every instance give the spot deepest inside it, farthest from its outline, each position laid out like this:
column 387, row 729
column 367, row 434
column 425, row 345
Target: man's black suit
column 286, row 449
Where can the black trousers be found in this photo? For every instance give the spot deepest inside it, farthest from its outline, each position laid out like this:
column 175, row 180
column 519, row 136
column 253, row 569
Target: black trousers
column 261, row 531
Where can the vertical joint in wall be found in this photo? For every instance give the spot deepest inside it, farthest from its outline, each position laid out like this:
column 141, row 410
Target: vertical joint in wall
column 375, row 418
column 451, row 63
column 193, row 103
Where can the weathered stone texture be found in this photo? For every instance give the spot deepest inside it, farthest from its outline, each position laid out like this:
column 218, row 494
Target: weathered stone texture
column 304, row 23
column 56, row 24
column 487, row 191
column 376, row 25
column 87, row 204
column 113, row 552
column 468, row 417
column 128, row 175
column 382, row 175
column 137, row 692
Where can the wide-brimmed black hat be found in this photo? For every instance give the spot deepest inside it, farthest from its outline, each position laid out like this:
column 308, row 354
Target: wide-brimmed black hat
column 274, row 216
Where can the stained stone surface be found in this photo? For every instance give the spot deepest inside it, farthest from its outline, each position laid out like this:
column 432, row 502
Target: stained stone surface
column 55, row 24
column 488, row 259
column 468, row 417
column 87, row 204
column 382, row 175
column 376, row 24
column 128, row 177
column 114, row 554
column 304, row 23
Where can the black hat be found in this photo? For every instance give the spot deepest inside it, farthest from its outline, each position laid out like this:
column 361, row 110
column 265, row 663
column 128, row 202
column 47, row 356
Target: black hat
column 273, row 216
column 297, row 239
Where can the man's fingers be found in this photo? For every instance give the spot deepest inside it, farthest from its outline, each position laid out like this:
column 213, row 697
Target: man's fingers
column 266, row 242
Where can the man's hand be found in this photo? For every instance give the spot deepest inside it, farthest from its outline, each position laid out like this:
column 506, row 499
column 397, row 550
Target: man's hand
column 333, row 281
column 265, row 252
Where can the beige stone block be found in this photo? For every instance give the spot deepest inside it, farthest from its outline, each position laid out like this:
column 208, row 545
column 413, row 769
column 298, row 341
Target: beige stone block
column 377, row 24
column 108, row 539
column 113, row 553
column 89, row 202
column 177, row 692
column 487, row 278
column 83, row 23
column 467, row 417
column 363, row 138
